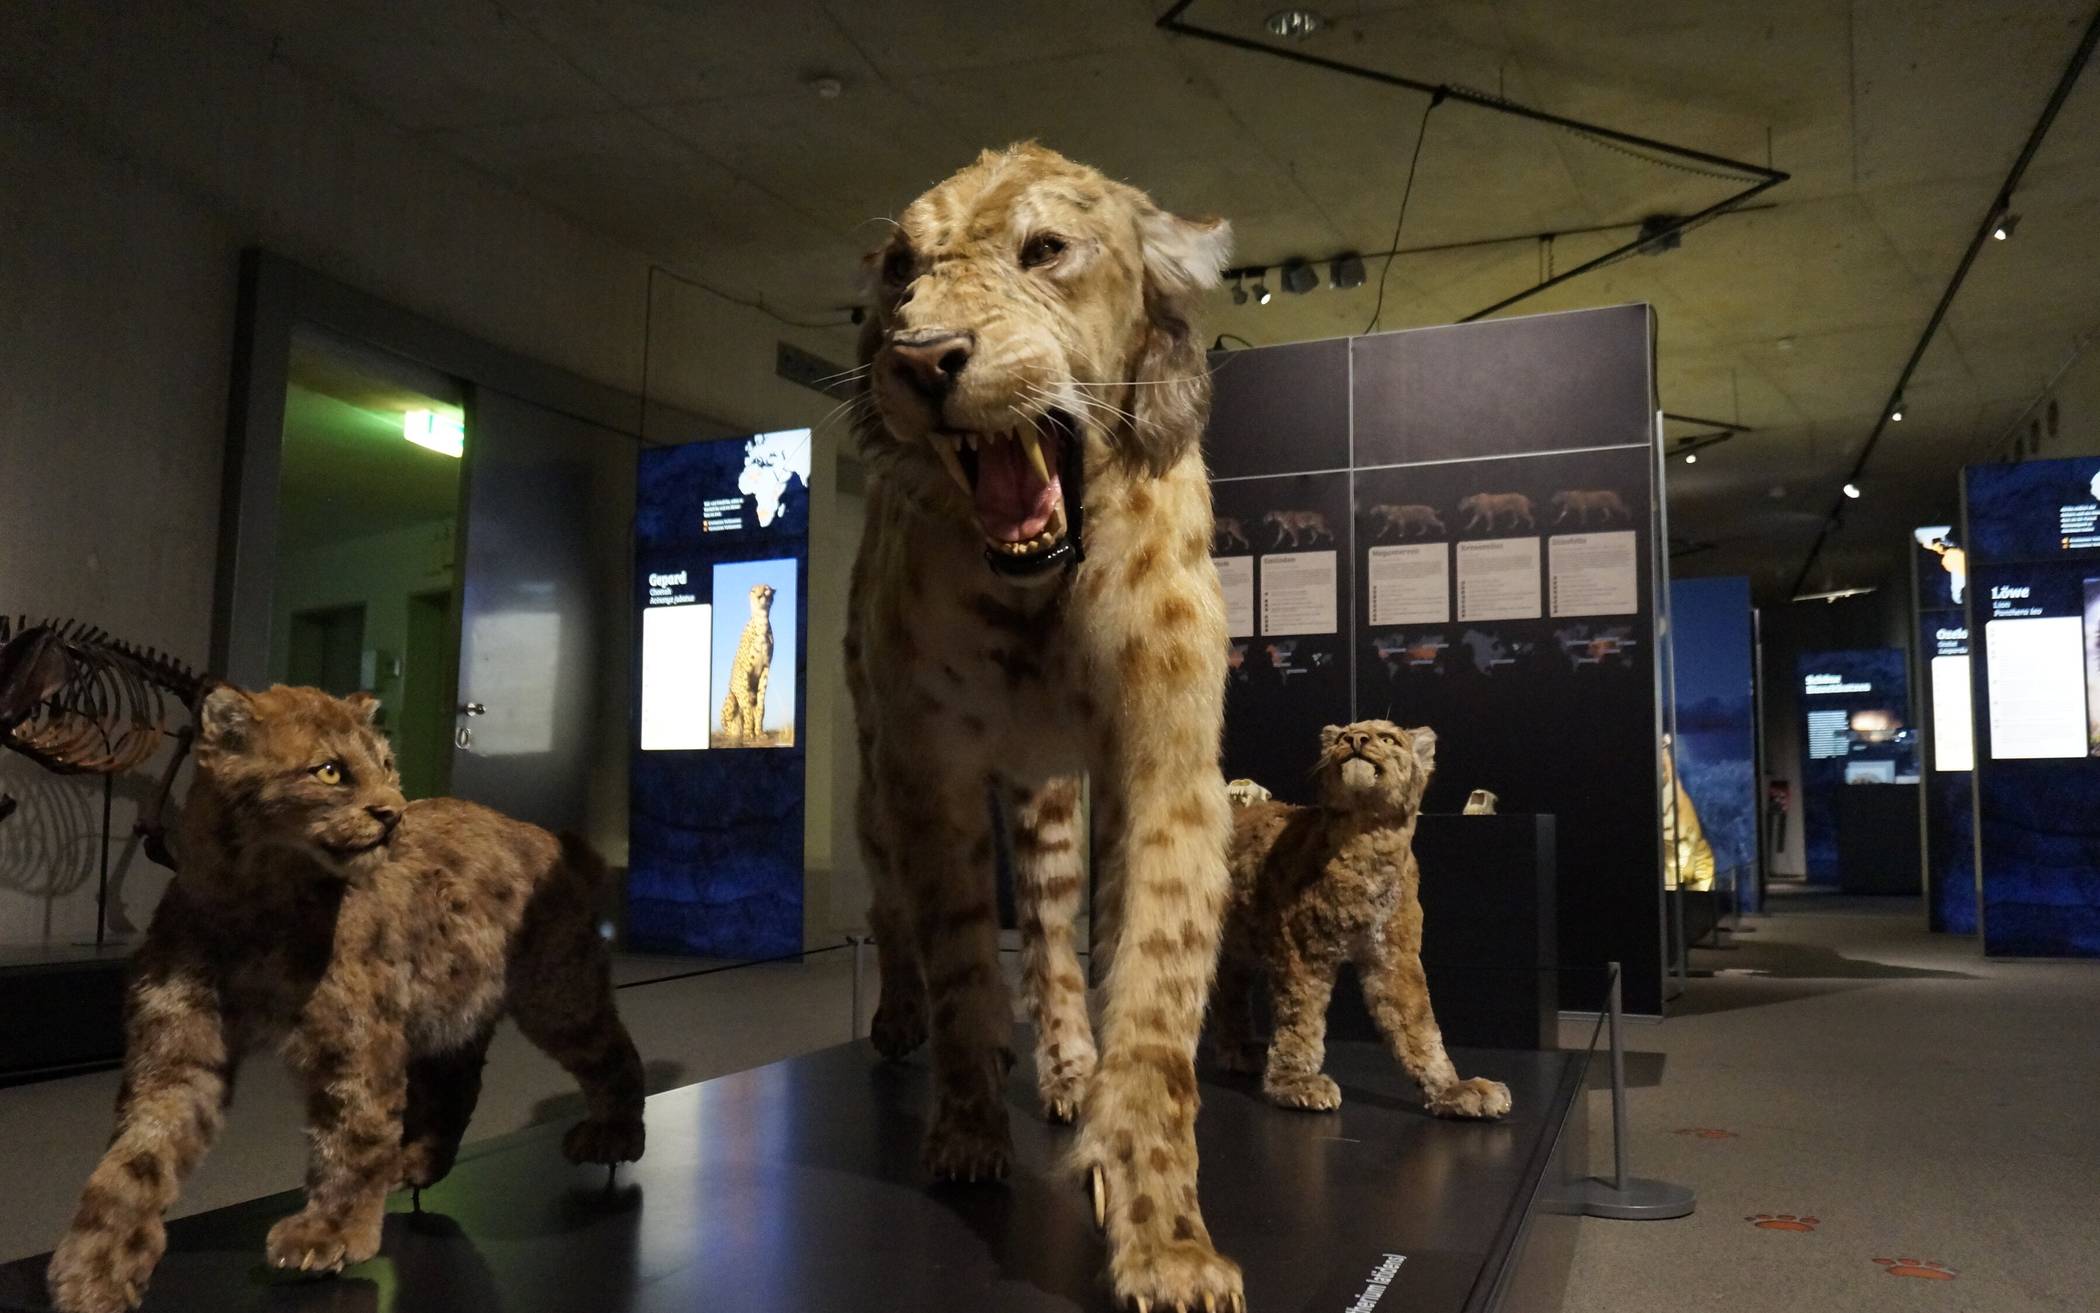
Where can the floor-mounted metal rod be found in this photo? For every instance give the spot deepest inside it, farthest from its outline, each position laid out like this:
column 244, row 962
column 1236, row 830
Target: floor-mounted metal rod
column 102, row 882
column 1626, row 1197
column 860, row 943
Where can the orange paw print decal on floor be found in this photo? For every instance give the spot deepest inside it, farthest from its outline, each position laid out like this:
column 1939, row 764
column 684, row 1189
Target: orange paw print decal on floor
column 1782, row 1222
column 1929, row 1269
column 1706, row 1133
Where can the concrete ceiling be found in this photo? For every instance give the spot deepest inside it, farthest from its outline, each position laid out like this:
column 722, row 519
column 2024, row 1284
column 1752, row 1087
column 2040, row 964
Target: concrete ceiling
column 692, row 133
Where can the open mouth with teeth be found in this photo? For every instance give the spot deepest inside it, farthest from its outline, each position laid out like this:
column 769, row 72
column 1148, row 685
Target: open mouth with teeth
column 1025, row 484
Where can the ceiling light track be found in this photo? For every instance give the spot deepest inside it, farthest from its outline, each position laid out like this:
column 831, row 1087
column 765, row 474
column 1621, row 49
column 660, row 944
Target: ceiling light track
column 1759, row 177
column 2000, row 207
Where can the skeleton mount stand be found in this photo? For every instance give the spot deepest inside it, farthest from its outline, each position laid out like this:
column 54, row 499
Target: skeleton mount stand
column 77, row 701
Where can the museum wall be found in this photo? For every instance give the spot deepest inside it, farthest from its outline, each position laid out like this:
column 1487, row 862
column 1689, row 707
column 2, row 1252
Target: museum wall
column 145, row 146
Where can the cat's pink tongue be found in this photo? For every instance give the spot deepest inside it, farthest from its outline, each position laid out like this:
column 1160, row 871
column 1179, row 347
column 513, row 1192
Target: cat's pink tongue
column 1013, row 502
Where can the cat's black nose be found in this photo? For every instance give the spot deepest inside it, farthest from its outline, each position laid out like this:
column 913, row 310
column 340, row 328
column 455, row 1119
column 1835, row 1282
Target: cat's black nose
column 1359, row 741
column 384, row 815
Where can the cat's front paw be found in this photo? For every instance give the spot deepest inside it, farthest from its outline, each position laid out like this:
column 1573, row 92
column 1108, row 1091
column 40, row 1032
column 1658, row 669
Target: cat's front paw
column 1062, row 1084
column 104, row 1270
column 604, row 1142
column 1478, row 1097
column 309, row 1242
column 1314, row 1093
column 968, row 1141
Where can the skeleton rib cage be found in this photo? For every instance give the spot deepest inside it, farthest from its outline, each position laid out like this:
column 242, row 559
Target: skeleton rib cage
column 77, row 701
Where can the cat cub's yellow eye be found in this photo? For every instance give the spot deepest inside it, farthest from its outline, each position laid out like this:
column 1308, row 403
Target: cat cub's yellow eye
column 329, row 772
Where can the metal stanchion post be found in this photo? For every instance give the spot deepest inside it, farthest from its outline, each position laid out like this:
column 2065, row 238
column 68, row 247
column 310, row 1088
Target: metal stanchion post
column 859, row 942
column 1626, row 1197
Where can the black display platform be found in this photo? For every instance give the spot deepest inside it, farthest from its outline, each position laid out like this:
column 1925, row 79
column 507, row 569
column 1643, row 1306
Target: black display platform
column 796, row 1187
column 61, row 1011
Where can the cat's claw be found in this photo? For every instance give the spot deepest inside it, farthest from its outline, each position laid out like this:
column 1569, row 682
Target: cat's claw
column 1097, row 1184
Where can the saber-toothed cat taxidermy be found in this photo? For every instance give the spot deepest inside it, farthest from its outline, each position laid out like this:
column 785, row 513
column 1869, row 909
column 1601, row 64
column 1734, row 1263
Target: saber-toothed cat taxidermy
column 1034, row 601
column 377, row 942
column 1313, row 887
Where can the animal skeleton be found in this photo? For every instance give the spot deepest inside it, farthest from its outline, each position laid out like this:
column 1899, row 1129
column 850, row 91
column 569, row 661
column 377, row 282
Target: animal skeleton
column 77, row 701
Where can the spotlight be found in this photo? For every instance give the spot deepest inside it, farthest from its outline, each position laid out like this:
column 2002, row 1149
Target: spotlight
column 2003, row 229
column 1691, row 458
column 1347, row 272
column 1239, row 293
column 1261, row 289
column 1852, row 491
column 1896, row 412
column 1299, row 278
column 1297, row 24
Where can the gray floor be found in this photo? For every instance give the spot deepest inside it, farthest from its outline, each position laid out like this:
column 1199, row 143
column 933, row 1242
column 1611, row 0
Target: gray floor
column 1916, row 1100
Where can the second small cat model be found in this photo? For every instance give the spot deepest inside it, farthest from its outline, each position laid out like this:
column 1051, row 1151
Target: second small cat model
column 377, row 942
column 1313, row 887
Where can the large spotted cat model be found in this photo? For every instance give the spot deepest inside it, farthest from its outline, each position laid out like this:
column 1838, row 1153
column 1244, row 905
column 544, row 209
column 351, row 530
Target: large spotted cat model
column 377, row 942
column 1034, row 599
column 1313, row 887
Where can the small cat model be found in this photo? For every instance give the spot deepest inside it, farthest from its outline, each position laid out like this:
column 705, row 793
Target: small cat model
column 377, row 942
column 744, row 709
column 1313, row 887
column 1227, row 534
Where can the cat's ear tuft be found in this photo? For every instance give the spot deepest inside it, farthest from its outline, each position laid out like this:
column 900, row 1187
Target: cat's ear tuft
column 1423, row 740
column 225, row 719
column 365, row 705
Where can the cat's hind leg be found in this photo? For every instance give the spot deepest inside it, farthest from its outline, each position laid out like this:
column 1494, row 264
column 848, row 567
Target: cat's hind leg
column 562, row 999
column 442, row 1091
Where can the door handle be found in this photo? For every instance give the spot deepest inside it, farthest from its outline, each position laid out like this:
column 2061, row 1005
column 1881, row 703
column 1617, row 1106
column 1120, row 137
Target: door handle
column 472, row 709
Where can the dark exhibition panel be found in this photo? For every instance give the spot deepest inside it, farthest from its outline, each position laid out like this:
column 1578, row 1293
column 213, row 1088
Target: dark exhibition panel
column 716, row 799
column 1468, row 543
column 1713, row 665
column 1940, row 676
column 1856, row 731
column 1489, row 935
column 2033, row 537
column 797, row 1186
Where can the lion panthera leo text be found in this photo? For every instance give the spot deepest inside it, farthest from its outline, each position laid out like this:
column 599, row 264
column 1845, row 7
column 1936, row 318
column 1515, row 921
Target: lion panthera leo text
column 1034, row 599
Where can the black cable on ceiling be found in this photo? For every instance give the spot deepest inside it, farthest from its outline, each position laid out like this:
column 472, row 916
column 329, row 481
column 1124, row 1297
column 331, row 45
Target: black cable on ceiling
column 1385, row 273
column 2001, row 201
column 1759, row 177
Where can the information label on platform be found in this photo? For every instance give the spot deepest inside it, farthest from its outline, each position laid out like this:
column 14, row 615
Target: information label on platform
column 1297, row 593
column 1498, row 579
column 1410, row 585
column 1236, row 577
column 1594, row 573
